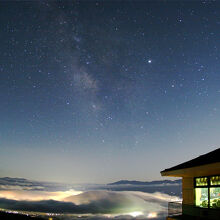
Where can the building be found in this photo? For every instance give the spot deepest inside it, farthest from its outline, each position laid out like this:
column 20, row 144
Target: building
column 200, row 186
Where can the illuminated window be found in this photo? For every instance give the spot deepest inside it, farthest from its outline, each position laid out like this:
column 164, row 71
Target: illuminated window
column 207, row 192
column 215, row 180
column 202, row 181
column 202, row 197
column 215, row 197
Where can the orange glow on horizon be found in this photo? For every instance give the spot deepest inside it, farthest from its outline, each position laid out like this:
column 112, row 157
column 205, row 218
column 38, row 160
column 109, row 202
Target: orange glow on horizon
column 37, row 195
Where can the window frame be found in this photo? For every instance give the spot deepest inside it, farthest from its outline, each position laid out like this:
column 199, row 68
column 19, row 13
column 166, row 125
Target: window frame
column 208, row 187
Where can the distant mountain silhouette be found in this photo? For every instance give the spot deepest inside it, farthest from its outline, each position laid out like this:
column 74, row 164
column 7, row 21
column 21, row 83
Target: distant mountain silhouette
column 156, row 182
column 13, row 179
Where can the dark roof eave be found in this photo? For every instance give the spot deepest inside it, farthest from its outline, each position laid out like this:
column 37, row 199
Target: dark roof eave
column 209, row 158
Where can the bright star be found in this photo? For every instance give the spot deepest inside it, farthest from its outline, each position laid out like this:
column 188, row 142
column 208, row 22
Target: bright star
column 149, row 61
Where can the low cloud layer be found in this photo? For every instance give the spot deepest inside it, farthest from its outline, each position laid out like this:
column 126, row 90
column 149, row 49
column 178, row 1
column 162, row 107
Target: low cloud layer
column 36, row 195
column 24, row 195
column 7, row 183
column 97, row 202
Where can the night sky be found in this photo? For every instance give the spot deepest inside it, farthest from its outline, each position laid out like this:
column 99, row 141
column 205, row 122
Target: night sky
column 94, row 91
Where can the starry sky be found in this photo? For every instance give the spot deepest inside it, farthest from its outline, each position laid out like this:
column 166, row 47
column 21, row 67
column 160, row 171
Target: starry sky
column 98, row 91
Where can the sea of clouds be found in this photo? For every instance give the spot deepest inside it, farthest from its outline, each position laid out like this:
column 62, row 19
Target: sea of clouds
column 82, row 202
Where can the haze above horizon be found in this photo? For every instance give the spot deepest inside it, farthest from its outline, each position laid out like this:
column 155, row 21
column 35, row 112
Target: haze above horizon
column 96, row 92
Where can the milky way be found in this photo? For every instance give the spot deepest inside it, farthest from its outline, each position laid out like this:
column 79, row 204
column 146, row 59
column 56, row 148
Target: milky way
column 95, row 91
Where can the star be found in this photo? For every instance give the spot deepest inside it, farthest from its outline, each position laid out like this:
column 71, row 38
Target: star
column 118, row 78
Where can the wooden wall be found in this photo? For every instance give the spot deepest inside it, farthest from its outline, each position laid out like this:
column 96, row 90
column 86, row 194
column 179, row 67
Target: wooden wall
column 188, row 190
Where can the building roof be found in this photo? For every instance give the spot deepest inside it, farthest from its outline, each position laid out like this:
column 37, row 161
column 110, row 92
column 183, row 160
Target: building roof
column 211, row 157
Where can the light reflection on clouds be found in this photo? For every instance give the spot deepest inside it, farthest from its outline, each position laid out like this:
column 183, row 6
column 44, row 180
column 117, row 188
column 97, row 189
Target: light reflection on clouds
column 24, row 195
column 37, row 195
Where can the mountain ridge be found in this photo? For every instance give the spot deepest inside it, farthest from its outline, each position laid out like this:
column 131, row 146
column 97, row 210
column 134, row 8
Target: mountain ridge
column 144, row 183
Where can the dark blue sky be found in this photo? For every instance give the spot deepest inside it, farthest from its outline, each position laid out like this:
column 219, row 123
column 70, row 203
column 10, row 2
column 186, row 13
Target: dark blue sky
column 95, row 91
